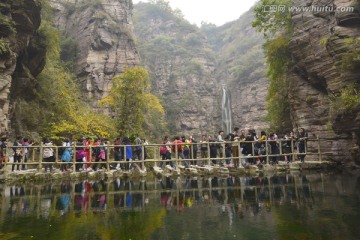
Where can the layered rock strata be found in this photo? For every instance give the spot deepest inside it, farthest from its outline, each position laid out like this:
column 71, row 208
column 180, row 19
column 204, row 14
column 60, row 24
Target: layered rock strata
column 103, row 31
column 318, row 75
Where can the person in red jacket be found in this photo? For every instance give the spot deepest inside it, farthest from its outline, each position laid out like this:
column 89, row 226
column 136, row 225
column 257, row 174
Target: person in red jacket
column 178, row 144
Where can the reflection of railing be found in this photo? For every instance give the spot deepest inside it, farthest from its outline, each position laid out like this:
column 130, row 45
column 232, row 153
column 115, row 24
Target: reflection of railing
column 153, row 191
column 35, row 153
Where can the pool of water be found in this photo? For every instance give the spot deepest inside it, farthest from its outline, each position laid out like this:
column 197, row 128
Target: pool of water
column 282, row 206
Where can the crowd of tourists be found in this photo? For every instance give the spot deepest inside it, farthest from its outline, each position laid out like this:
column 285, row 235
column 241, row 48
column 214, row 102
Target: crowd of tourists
column 228, row 149
column 223, row 149
column 89, row 154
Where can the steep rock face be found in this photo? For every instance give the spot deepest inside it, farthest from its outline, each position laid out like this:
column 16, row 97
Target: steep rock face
column 22, row 55
column 241, row 66
column 103, row 31
column 318, row 74
column 182, row 69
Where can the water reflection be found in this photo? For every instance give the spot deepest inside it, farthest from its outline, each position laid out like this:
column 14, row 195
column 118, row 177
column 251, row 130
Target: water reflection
column 286, row 206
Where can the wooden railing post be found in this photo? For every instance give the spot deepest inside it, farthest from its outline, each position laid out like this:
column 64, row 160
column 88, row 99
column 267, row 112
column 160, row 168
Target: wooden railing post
column 22, row 157
column 208, row 148
column 280, row 149
column 296, row 153
column 252, row 148
column 126, row 165
column 143, row 157
column 192, row 151
column 155, row 157
column 107, row 157
column 7, row 158
column 252, row 152
column 57, row 154
column 223, row 153
column 90, row 155
column 33, row 154
column 267, row 151
column 176, row 154
column 292, row 150
column 305, row 148
column 41, row 156
column 74, row 157
column 239, row 153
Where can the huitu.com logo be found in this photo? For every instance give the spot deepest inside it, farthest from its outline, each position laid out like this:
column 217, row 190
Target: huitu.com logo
column 284, row 8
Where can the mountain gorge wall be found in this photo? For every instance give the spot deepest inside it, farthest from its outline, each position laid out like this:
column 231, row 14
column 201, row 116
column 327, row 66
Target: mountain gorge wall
column 189, row 66
column 103, row 33
column 240, row 65
column 182, row 69
column 22, row 54
column 318, row 75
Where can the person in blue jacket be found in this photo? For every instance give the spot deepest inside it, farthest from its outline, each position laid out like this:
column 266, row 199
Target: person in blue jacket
column 128, row 153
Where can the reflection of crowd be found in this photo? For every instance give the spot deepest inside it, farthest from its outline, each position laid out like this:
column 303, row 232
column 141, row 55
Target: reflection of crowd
column 18, row 205
column 236, row 197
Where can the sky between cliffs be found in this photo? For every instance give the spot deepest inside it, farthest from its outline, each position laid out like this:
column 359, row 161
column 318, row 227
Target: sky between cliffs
column 218, row 12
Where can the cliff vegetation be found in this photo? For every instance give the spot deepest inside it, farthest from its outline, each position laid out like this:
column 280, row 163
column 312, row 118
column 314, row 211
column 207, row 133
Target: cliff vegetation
column 277, row 29
column 56, row 108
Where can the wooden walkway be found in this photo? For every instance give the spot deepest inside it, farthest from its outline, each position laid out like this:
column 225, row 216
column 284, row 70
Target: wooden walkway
column 200, row 166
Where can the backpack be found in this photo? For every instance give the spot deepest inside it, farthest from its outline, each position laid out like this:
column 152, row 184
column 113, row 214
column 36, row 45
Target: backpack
column 163, row 150
column 61, row 151
column 48, row 152
column 102, row 154
column 179, row 147
column 186, row 150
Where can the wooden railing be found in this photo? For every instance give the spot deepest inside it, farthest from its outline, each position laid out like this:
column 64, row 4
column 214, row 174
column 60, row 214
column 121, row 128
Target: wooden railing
column 35, row 155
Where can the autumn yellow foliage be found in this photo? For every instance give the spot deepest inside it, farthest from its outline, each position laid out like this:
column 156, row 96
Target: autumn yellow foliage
column 132, row 102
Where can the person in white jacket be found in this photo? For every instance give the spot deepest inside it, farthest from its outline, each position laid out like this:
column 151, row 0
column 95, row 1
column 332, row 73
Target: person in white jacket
column 48, row 154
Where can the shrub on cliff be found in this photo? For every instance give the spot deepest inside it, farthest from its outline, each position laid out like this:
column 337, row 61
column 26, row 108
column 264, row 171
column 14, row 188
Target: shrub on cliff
column 277, row 29
column 346, row 100
column 351, row 59
column 7, row 26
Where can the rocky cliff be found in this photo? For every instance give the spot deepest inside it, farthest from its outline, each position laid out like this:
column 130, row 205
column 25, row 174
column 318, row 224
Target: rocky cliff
column 22, row 53
column 190, row 65
column 320, row 44
column 182, row 66
column 240, row 64
column 103, row 33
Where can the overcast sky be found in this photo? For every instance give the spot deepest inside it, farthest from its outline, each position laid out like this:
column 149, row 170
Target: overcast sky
column 212, row 11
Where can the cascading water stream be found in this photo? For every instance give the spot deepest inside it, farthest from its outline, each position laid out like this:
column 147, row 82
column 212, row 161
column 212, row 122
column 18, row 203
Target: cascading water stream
column 226, row 115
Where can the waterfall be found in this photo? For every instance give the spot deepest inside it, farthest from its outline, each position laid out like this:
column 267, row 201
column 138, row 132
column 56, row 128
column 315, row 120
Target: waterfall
column 226, row 110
